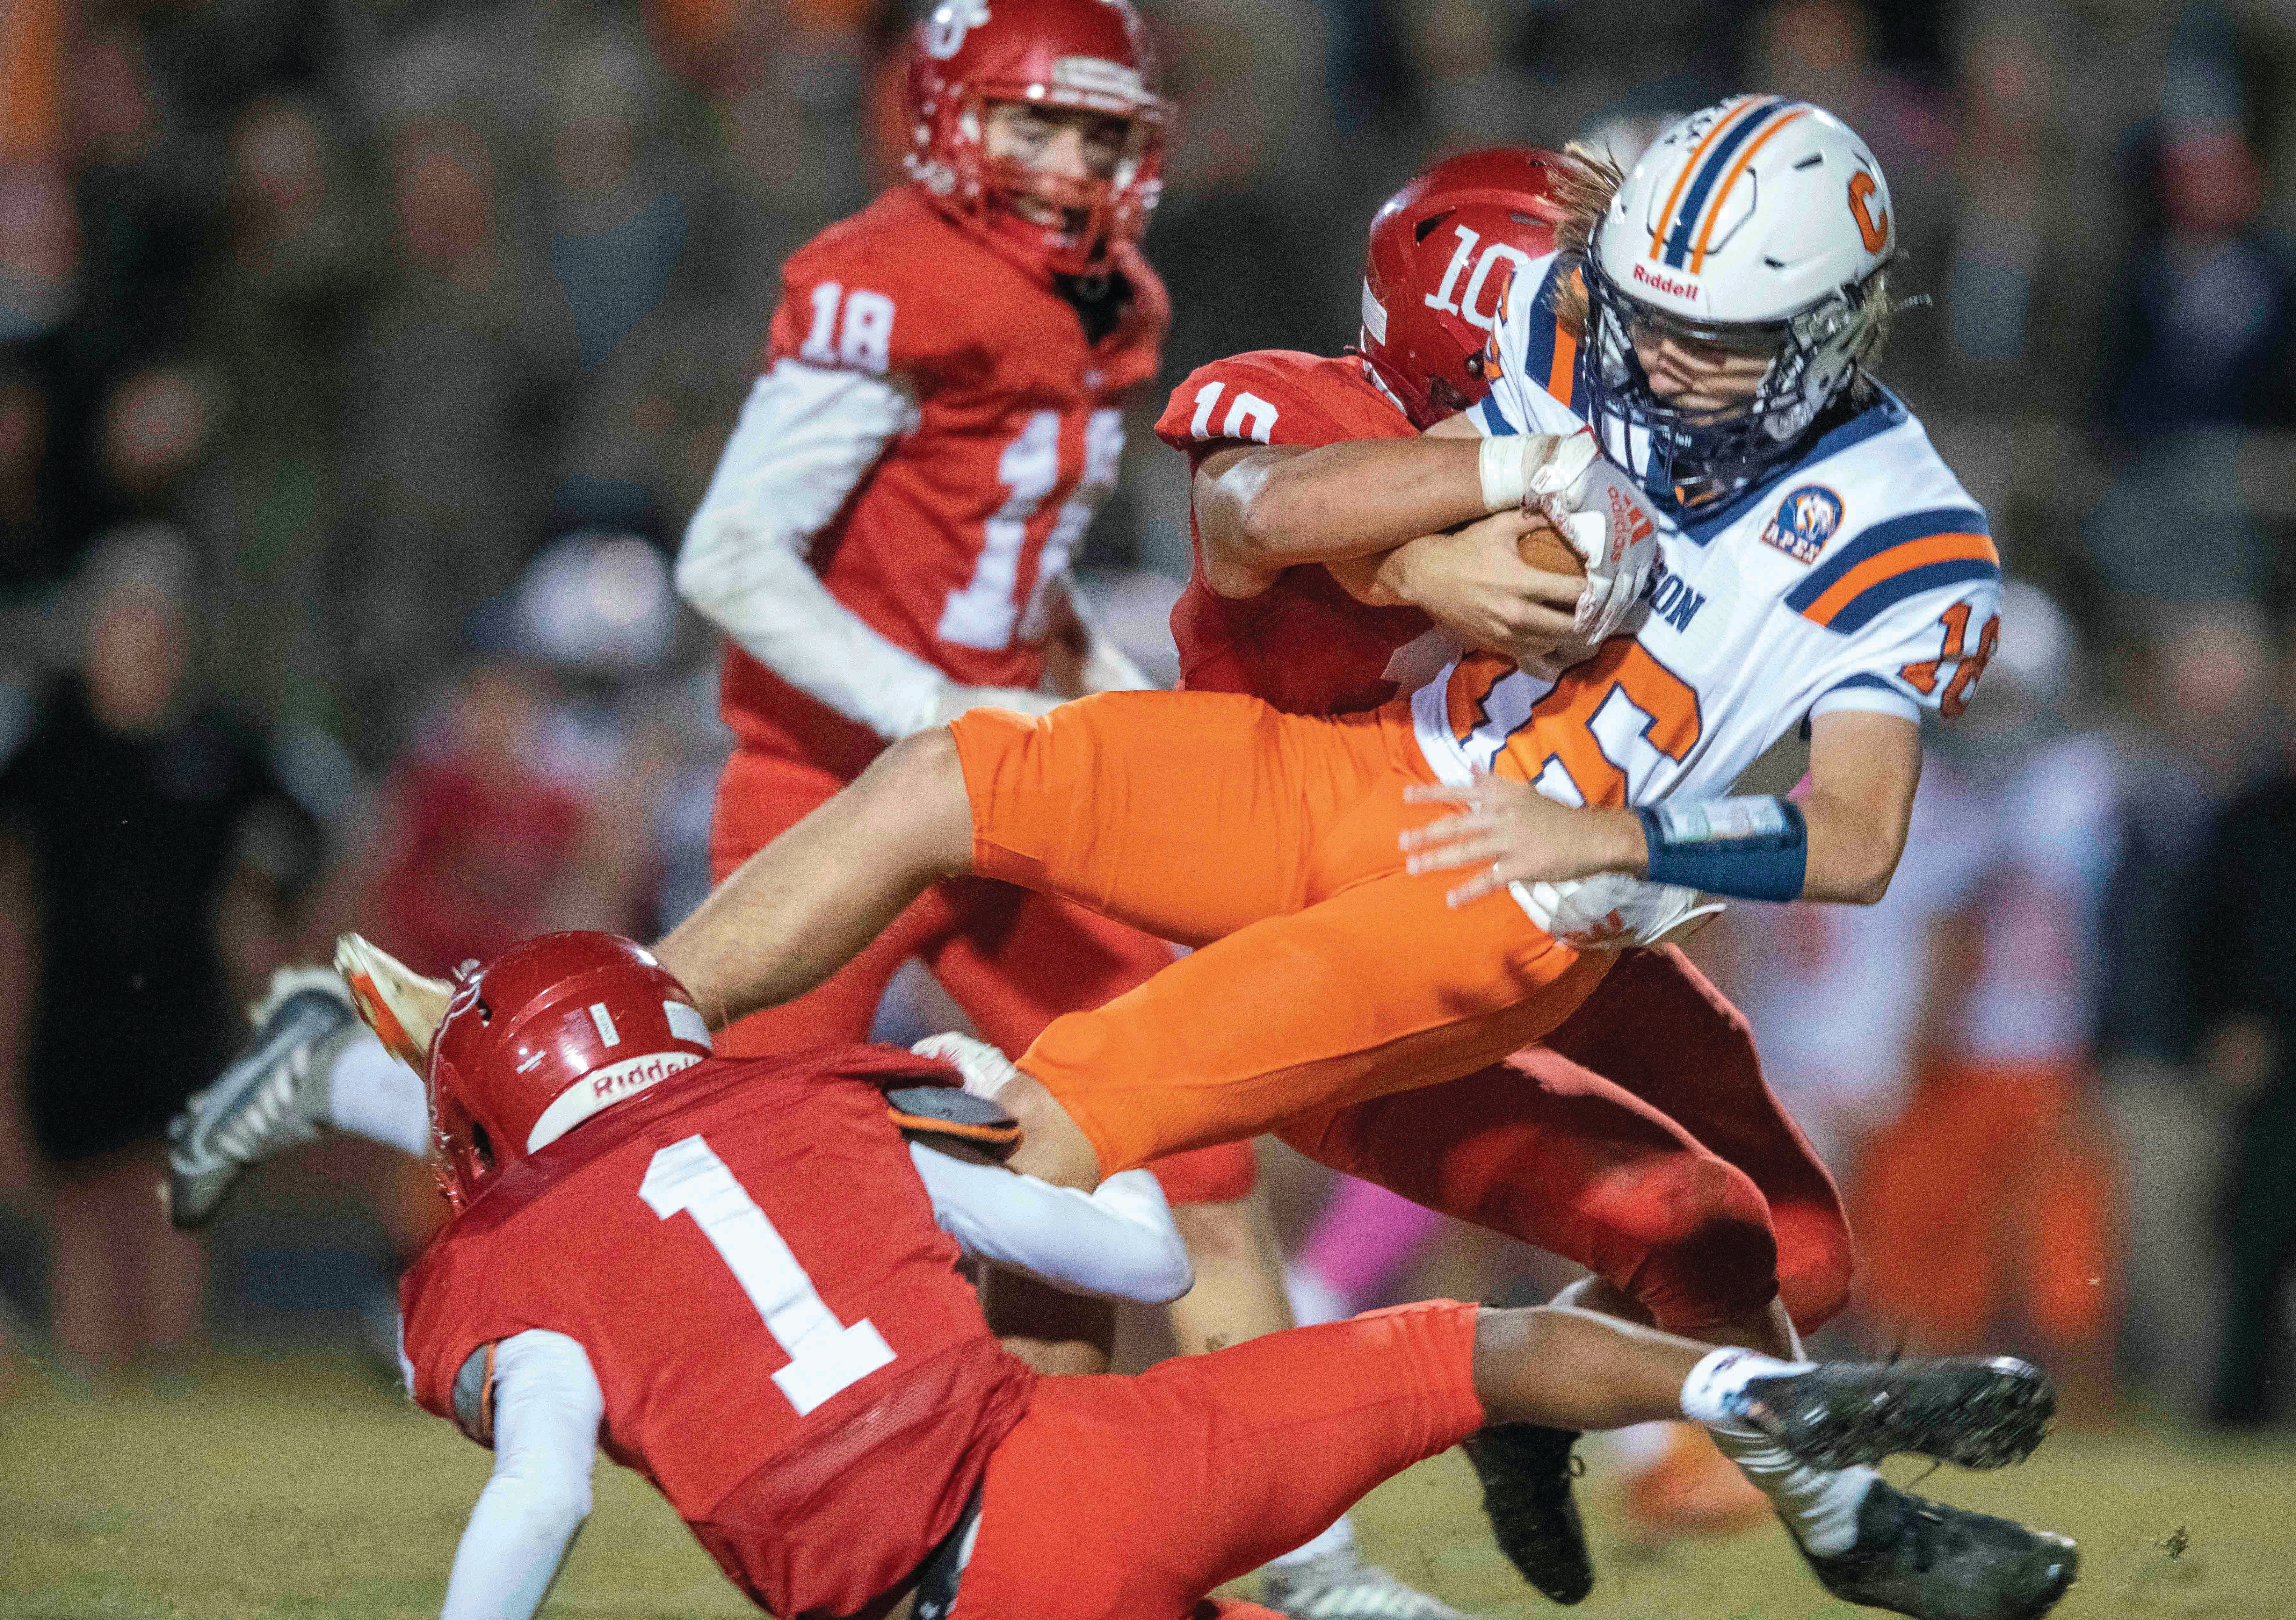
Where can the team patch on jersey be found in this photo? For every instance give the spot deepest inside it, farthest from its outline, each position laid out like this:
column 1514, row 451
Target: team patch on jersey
column 1806, row 521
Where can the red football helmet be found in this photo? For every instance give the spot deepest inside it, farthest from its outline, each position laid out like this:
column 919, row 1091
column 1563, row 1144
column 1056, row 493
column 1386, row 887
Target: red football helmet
column 1091, row 54
column 1443, row 249
column 544, row 1036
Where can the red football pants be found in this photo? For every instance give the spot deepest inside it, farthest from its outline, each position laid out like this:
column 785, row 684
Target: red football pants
column 1014, row 961
column 1131, row 1498
column 1639, row 1140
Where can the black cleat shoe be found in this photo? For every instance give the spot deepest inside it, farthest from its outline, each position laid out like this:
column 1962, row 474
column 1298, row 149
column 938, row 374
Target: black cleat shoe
column 1977, row 1412
column 1526, row 1469
column 1924, row 1559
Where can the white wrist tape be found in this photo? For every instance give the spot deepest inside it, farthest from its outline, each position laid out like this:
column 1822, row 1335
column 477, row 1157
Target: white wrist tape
column 1504, row 465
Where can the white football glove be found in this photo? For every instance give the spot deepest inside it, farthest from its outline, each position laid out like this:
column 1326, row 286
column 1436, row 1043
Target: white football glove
column 985, row 1068
column 1610, row 911
column 1608, row 520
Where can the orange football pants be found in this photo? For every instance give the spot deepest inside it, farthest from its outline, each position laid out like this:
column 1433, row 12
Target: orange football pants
column 1326, row 973
column 1131, row 1498
column 1012, row 960
column 1997, row 1166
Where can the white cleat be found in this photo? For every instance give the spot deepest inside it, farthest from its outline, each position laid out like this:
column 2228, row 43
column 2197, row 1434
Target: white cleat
column 1339, row 1586
column 273, row 1096
column 404, row 1008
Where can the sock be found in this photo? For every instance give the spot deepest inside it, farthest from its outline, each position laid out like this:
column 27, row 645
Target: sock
column 1313, row 1300
column 1340, row 1538
column 1819, row 1505
column 1362, row 1237
column 373, row 1094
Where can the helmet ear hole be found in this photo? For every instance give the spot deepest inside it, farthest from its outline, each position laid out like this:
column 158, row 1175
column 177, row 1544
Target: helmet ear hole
column 482, row 1144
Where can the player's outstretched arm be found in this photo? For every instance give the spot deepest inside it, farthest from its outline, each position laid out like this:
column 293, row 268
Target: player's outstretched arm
column 1117, row 1241
column 546, row 1409
column 1261, row 508
column 808, row 438
column 1840, row 843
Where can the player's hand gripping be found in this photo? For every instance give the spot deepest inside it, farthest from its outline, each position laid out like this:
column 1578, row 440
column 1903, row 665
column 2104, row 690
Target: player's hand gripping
column 1516, row 834
column 1608, row 520
column 1474, row 582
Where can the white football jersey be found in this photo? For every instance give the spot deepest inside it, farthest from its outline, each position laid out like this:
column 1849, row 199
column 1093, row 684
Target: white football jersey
column 1859, row 576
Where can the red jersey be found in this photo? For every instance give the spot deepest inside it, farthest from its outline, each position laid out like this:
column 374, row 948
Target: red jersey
column 785, row 1347
column 946, row 547
column 1304, row 643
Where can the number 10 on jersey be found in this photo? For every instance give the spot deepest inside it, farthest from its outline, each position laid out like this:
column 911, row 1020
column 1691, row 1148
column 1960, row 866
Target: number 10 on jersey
column 825, row 1356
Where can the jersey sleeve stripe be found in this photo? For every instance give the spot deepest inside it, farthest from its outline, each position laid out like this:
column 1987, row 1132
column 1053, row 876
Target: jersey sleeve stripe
column 1562, row 369
column 1859, row 612
column 1887, row 549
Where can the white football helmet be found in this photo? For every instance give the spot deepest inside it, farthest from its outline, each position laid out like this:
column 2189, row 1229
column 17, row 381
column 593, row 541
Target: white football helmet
column 1760, row 224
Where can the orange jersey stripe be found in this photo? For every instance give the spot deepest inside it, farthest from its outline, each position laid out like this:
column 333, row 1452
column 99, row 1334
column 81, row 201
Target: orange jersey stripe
column 1558, row 374
column 1900, row 559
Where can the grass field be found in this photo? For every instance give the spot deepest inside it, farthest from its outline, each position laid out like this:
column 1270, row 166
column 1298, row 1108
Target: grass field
column 302, row 1487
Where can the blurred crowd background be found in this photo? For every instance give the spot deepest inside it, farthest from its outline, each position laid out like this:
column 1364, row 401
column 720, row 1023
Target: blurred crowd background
column 360, row 361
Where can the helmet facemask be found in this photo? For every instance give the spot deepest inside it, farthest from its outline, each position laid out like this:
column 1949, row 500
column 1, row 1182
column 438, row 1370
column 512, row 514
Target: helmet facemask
column 1097, row 215
column 1702, row 455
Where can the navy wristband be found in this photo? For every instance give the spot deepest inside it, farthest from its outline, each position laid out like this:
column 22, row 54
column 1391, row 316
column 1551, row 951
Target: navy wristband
column 1748, row 848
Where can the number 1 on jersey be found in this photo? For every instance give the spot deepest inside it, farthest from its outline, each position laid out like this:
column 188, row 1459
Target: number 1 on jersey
column 825, row 1356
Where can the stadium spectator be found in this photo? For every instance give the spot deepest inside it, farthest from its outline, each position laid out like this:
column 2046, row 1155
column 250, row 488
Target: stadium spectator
column 2193, row 738
column 2242, row 970
column 162, row 855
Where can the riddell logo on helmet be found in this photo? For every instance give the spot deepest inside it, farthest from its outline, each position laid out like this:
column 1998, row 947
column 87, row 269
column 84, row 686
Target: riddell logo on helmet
column 602, row 1089
column 636, row 1074
column 1665, row 284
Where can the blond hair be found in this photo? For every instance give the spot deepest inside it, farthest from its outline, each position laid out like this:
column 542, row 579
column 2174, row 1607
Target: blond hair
column 1588, row 180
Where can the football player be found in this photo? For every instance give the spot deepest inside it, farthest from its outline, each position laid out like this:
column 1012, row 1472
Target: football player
column 885, row 544
column 1782, row 548
column 734, row 1276
column 1656, row 1065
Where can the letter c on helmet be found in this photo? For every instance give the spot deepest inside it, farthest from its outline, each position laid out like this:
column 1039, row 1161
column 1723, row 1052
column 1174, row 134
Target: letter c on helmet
column 1874, row 232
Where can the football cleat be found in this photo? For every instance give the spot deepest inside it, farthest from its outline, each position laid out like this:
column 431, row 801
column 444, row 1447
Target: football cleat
column 1980, row 1413
column 1924, row 1559
column 273, row 1096
column 404, row 1008
column 1526, row 1469
column 1339, row 1586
